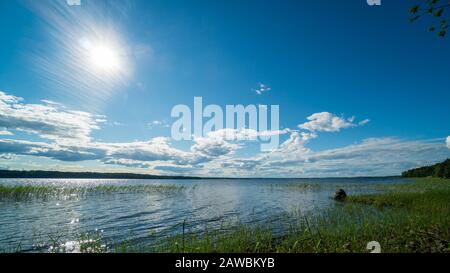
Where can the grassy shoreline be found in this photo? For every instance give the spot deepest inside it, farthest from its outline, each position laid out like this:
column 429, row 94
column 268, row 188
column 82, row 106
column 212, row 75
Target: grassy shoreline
column 407, row 218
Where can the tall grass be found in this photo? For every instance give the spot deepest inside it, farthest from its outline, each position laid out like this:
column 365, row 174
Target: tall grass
column 316, row 186
column 26, row 192
column 409, row 218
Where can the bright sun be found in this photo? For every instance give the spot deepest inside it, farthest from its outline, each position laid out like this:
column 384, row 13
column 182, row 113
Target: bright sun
column 104, row 58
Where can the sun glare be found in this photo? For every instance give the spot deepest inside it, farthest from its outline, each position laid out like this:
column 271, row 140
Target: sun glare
column 104, row 58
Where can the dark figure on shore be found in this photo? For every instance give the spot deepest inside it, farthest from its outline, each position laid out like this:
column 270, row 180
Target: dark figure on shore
column 340, row 195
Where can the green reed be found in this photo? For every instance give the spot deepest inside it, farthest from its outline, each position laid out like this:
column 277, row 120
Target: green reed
column 27, row 192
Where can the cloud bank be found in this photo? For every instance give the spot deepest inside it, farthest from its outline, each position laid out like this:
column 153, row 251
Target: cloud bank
column 48, row 120
column 65, row 135
column 328, row 122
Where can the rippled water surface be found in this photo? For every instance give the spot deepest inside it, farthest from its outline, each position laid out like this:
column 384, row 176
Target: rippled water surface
column 139, row 211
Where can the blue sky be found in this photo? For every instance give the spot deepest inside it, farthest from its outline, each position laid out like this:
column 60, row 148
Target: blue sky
column 329, row 60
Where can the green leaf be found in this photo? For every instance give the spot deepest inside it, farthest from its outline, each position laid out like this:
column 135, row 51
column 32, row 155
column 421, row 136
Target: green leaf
column 439, row 12
column 414, row 9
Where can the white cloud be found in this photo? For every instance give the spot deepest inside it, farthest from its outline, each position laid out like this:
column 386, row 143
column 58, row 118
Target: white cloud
column 371, row 157
column 127, row 163
column 7, row 156
column 262, row 88
column 173, row 169
column 308, row 136
column 156, row 149
column 158, row 123
column 245, row 164
column 73, row 2
column 363, row 122
column 217, row 143
column 375, row 156
column 448, row 142
column 288, row 152
column 49, row 120
column 213, row 147
column 4, row 132
column 295, row 145
column 125, row 154
column 328, row 122
column 244, row 134
column 53, row 151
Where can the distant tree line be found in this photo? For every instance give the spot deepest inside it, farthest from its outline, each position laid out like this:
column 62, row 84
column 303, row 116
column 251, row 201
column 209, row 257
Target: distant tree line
column 437, row 170
column 82, row 175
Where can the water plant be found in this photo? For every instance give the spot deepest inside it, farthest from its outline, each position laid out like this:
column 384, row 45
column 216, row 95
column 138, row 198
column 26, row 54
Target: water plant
column 26, row 192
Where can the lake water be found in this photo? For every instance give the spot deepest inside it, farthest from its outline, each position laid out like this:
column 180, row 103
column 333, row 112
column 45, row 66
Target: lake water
column 141, row 217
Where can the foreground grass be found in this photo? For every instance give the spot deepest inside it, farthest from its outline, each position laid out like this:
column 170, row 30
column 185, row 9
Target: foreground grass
column 408, row 218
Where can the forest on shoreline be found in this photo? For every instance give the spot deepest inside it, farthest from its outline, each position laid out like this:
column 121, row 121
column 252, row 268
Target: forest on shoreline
column 441, row 170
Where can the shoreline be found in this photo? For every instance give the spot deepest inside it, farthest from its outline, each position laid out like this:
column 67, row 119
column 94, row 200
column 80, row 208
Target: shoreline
column 16, row 174
column 403, row 218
